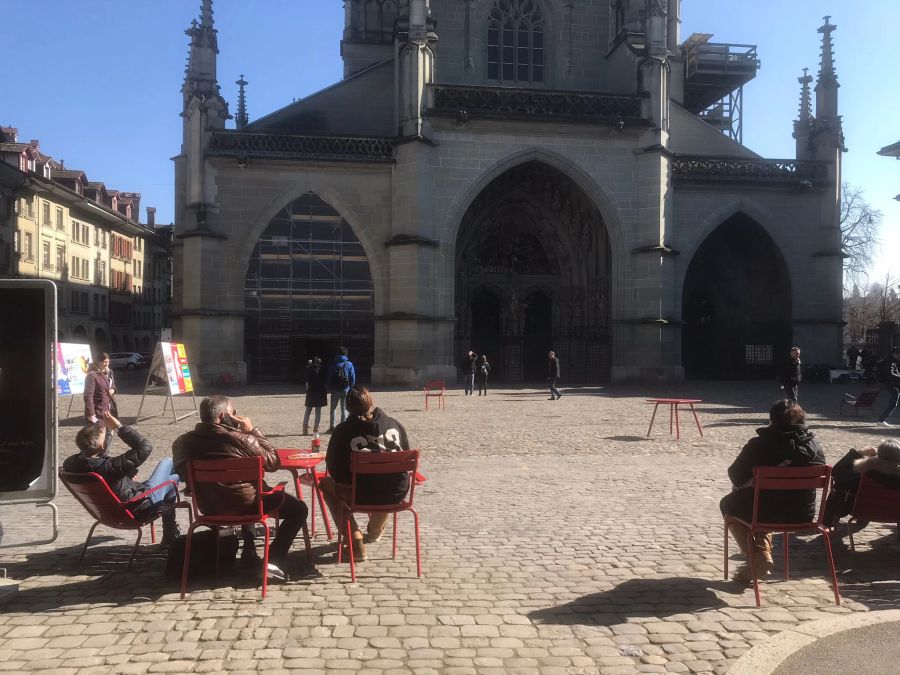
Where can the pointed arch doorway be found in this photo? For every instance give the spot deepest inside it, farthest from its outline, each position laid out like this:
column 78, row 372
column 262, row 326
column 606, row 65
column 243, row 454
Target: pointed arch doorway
column 736, row 304
column 534, row 242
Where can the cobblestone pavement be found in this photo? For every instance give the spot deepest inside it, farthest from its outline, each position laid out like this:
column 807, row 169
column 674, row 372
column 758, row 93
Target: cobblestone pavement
column 557, row 538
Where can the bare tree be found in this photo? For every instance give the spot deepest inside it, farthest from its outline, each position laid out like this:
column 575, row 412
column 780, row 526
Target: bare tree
column 859, row 232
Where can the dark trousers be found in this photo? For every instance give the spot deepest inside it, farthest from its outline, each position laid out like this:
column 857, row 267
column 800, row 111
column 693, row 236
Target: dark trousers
column 893, row 400
column 791, row 391
column 553, row 390
column 482, row 386
column 292, row 514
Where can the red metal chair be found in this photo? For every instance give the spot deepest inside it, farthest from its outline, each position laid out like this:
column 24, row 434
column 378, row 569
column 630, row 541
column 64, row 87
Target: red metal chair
column 875, row 503
column 231, row 470
column 786, row 478
column 435, row 389
column 865, row 400
column 94, row 494
column 380, row 463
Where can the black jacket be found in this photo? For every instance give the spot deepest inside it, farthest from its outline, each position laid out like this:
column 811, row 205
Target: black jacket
column 483, row 370
column 553, row 368
column 793, row 446
column 378, row 434
column 316, row 391
column 892, row 372
column 118, row 472
column 790, row 371
column 468, row 365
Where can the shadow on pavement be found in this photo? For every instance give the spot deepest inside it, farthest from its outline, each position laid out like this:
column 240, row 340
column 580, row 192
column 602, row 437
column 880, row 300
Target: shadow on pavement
column 640, row 597
column 635, row 439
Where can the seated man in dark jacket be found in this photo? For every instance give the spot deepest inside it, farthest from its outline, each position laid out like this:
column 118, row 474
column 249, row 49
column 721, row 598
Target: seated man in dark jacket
column 222, row 434
column 367, row 429
column 785, row 442
column 119, row 472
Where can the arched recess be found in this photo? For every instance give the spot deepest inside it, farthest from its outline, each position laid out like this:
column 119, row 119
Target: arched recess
column 531, row 228
column 308, row 290
column 736, row 304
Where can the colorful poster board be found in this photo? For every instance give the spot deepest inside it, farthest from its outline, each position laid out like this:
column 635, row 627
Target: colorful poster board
column 73, row 361
column 169, row 374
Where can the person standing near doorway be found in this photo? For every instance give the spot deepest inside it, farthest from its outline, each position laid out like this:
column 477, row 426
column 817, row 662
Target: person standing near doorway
column 553, row 375
column 468, row 368
column 790, row 375
column 316, row 393
column 341, row 377
column 482, row 370
column 891, row 381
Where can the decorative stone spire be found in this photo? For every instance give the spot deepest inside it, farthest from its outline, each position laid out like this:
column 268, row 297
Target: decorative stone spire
column 241, row 120
column 827, row 84
column 200, row 75
column 805, row 96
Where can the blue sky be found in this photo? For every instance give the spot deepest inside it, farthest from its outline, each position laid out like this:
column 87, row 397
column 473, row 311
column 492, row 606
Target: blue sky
column 97, row 81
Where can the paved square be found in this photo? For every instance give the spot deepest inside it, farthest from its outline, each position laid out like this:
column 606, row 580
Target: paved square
column 557, row 538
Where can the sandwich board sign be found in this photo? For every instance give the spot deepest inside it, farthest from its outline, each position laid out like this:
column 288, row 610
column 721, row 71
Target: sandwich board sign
column 73, row 361
column 169, row 374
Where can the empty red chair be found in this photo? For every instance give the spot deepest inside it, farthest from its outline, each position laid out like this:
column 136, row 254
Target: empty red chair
column 875, row 503
column 95, row 495
column 787, row 478
column 865, row 400
column 380, row 463
column 435, row 389
column 231, row 470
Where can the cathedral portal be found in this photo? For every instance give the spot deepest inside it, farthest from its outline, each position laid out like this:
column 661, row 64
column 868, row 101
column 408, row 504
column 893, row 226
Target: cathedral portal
column 737, row 304
column 308, row 291
column 532, row 274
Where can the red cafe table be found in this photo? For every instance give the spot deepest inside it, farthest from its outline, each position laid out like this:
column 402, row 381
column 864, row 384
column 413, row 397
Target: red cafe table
column 673, row 404
column 302, row 464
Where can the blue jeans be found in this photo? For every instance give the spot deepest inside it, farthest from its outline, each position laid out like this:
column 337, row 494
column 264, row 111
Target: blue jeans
column 318, row 410
column 469, row 383
column 339, row 396
column 553, row 390
column 893, row 400
column 160, row 475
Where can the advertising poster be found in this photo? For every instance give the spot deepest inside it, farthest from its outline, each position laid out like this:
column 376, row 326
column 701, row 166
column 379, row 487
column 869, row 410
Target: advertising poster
column 72, row 363
column 178, row 373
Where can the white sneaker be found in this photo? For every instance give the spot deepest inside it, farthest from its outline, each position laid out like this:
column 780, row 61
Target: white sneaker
column 275, row 573
column 885, row 423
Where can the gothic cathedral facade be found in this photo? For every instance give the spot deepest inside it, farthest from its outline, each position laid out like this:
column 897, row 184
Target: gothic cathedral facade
column 508, row 176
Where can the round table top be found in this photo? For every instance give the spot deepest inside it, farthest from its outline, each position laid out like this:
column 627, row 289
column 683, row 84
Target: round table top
column 674, row 400
column 299, row 458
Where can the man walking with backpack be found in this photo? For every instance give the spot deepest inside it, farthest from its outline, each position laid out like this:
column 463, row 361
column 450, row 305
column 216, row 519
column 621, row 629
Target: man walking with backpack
column 889, row 374
column 341, row 377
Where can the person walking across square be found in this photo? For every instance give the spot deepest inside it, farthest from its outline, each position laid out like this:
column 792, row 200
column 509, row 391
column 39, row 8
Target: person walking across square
column 891, row 381
column 341, row 378
column 790, row 375
column 553, row 375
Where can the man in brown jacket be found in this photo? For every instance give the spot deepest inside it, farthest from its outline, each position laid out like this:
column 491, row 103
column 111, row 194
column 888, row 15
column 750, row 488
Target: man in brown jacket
column 221, row 434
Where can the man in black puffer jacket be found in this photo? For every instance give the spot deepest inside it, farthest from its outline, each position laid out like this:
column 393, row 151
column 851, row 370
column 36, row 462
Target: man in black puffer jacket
column 367, row 429
column 119, row 471
column 785, row 442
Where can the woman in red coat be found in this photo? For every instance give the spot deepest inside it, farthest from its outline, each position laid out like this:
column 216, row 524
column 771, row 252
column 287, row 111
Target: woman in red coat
column 99, row 389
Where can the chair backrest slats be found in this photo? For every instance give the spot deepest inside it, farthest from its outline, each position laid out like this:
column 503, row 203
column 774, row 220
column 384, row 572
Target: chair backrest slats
column 791, row 478
column 380, row 463
column 219, row 472
column 876, row 502
column 98, row 499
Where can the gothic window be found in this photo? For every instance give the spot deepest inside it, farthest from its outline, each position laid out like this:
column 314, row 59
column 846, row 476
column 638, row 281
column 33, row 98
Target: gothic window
column 516, row 41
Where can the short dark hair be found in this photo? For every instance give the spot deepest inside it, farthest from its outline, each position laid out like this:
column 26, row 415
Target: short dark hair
column 88, row 439
column 213, row 406
column 343, row 351
column 786, row 413
column 359, row 401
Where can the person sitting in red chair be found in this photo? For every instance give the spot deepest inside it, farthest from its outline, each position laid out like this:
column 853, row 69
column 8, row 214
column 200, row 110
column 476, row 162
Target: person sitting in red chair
column 367, row 429
column 119, row 472
column 785, row 442
column 882, row 462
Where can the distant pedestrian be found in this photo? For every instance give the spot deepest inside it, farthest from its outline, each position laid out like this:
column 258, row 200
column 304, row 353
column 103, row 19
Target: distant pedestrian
column 790, row 375
column 316, row 393
column 99, row 396
column 553, row 375
column 482, row 370
column 852, row 357
column 341, row 377
column 891, row 381
column 468, row 369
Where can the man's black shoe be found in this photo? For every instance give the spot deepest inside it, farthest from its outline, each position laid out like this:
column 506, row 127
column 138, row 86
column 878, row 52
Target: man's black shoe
column 170, row 534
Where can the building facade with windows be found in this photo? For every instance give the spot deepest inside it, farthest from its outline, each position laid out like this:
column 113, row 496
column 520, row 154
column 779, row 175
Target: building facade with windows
column 546, row 175
column 88, row 241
